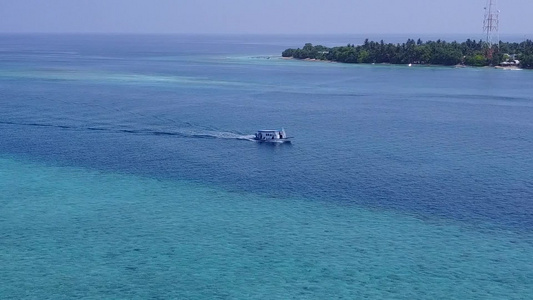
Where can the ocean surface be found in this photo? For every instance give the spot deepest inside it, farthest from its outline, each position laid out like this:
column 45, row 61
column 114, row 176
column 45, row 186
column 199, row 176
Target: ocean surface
column 127, row 172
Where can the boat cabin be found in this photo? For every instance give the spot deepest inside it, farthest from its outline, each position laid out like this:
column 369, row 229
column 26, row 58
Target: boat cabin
column 271, row 135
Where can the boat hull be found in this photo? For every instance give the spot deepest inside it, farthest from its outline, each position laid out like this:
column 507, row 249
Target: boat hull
column 279, row 141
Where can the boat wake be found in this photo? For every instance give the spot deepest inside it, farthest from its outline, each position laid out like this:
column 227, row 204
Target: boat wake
column 189, row 133
column 179, row 132
column 211, row 134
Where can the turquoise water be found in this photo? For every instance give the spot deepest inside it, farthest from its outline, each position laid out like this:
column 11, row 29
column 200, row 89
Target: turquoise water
column 126, row 172
column 73, row 233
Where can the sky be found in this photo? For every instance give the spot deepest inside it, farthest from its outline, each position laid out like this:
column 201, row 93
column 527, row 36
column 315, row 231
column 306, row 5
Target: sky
column 260, row 16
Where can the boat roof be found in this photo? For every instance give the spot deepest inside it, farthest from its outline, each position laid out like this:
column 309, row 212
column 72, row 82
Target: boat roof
column 269, row 130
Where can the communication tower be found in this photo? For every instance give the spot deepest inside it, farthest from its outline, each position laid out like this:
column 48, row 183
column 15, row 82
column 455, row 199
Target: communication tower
column 491, row 23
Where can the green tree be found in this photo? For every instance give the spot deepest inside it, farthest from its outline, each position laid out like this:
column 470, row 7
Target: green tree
column 363, row 57
column 526, row 61
column 477, row 60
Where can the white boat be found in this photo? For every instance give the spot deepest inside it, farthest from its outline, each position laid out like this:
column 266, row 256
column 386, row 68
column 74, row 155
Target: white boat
column 272, row 136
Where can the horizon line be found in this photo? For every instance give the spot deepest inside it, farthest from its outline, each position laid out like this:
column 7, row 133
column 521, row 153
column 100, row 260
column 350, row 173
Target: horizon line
column 249, row 33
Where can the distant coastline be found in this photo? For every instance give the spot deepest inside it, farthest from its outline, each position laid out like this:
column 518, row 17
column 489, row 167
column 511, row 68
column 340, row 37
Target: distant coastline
column 440, row 53
column 419, row 65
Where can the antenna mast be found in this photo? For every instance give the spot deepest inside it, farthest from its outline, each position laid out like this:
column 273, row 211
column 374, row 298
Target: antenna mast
column 491, row 23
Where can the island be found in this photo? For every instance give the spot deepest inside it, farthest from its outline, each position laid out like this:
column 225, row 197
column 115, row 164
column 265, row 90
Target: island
column 468, row 53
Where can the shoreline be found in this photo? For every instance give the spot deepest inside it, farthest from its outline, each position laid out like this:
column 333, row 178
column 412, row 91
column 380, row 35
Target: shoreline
column 459, row 66
column 441, row 53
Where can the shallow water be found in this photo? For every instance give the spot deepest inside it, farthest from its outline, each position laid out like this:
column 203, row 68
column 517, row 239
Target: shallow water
column 126, row 172
column 76, row 233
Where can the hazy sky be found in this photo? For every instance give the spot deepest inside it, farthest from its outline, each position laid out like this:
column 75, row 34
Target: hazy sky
column 260, row 16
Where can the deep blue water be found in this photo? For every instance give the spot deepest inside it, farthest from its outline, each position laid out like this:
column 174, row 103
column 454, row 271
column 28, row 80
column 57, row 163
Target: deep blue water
column 115, row 143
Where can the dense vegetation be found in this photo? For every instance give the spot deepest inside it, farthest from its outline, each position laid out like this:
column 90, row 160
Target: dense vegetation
column 470, row 53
